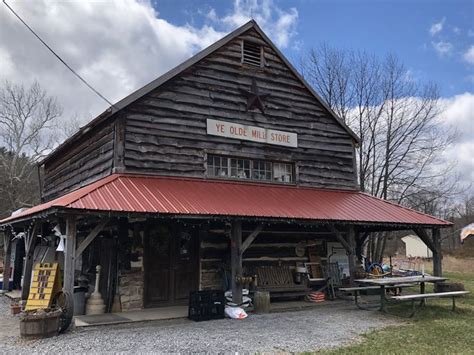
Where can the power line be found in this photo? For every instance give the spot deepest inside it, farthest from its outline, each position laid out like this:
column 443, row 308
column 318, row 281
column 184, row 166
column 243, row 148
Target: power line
column 58, row 57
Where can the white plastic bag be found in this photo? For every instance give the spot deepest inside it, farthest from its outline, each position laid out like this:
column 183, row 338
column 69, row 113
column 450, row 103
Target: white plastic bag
column 235, row 313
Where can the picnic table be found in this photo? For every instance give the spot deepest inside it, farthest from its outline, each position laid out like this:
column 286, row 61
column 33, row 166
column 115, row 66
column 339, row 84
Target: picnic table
column 390, row 282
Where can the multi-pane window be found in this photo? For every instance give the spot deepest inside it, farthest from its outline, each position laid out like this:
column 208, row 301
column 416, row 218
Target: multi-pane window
column 217, row 166
column 240, row 168
column 282, row 172
column 261, row 170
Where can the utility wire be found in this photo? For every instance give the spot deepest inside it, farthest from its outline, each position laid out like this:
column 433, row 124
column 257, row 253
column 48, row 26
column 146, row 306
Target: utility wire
column 58, row 57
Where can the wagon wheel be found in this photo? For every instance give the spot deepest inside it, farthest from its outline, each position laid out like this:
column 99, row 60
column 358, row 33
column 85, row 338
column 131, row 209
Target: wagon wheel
column 65, row 302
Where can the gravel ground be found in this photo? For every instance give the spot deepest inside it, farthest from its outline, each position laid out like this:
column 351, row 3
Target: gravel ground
column 309, row 330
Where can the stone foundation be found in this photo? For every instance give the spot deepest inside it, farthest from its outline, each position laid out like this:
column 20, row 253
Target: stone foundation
column 131, row 290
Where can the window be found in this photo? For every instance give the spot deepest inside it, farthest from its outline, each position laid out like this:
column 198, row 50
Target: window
column 282, row 172
column 219, row 166
column 262, row 170
column 240, row 168
column 252, row 53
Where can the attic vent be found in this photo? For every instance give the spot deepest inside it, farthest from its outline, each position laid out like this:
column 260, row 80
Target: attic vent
column 252, row 53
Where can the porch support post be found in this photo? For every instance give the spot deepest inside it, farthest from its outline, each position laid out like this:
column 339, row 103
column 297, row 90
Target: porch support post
column 30, row 244
column 7, row 245
column 434, row 244
column 236, row 261
column 349, row 245
column 69, row 254
column 437, row 254
column 360, row 241
column 352, row 253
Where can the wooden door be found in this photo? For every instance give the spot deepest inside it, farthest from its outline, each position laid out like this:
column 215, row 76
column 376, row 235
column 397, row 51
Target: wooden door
column 171, row 269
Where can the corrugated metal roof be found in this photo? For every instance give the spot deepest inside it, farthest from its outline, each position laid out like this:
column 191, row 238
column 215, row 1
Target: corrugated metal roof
column 169, row 195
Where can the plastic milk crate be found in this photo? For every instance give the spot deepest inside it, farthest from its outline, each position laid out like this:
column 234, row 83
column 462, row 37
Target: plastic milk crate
column 206, row 305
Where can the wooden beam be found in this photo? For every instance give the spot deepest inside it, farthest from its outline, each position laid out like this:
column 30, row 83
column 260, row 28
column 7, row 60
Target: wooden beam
column 350, row 246
column 30, row 244
column 236, row 261
column 7, row 245
column 249, row 240
column 119, row 144
column 437, row 253
column 360, row 241
column 91, row 236
column 340, row 238
column 423, row 235
column 352, row 254
column 69, row 254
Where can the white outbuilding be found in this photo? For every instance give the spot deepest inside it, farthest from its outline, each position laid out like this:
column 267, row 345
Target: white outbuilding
column 415, row 247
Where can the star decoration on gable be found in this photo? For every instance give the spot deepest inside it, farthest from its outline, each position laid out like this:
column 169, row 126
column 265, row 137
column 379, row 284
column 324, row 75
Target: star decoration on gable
column 254, row 97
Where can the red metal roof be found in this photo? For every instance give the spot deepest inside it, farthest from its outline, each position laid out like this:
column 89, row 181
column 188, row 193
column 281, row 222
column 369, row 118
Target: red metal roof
column 169, row 195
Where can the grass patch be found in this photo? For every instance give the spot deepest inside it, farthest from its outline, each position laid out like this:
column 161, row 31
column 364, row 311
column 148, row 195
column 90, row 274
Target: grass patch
column 435, row 329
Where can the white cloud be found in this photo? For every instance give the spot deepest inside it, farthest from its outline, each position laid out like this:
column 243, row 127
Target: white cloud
column 117, row 46
column 442, row 48
column 458, row 113
column 279, row 24
column 437, row 27
column 469, row 55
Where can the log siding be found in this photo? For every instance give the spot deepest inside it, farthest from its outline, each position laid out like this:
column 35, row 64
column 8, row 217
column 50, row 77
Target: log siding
column 86, row 161
column 166, row 133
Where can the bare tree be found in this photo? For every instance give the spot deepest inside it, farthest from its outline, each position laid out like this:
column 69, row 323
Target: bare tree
column 27, row 132
column 397, row 119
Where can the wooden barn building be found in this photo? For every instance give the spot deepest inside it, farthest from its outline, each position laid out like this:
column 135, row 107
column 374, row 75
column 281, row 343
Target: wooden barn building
column 226, row 167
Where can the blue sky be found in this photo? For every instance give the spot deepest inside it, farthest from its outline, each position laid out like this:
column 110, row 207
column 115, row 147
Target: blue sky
column 379, row 27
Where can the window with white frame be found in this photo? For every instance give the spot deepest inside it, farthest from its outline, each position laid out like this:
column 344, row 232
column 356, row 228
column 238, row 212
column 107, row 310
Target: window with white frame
column 249, row 169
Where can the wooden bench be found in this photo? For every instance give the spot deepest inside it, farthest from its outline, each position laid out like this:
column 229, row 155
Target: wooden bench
column 278, row 280
column 424, row 296
column 356, row 291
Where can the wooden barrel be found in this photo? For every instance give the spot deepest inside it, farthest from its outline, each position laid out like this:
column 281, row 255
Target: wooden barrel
column 39, row 324
column 261, row 302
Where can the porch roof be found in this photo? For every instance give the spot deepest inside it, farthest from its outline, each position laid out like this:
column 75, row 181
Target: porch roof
column 197, row 197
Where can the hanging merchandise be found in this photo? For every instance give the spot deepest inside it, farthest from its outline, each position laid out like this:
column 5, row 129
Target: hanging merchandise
column 57, row 233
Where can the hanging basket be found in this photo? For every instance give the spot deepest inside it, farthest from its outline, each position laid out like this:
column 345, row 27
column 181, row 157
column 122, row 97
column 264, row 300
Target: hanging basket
column 41, row 323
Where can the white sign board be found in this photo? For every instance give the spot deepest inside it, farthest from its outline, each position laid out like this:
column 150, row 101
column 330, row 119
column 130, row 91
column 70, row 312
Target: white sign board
column 251, row 133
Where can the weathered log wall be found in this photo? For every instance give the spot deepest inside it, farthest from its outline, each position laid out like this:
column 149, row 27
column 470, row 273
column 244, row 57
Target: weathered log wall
column 276, row 246
column 166, row 130
column 86, row 160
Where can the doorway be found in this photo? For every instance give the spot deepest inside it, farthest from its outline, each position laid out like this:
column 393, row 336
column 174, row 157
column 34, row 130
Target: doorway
column 171, row 264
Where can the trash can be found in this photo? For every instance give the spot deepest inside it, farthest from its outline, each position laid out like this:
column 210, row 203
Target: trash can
column 79, row 300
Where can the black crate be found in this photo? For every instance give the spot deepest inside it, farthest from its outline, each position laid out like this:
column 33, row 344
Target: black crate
column 206, row 305
column 206, row 298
